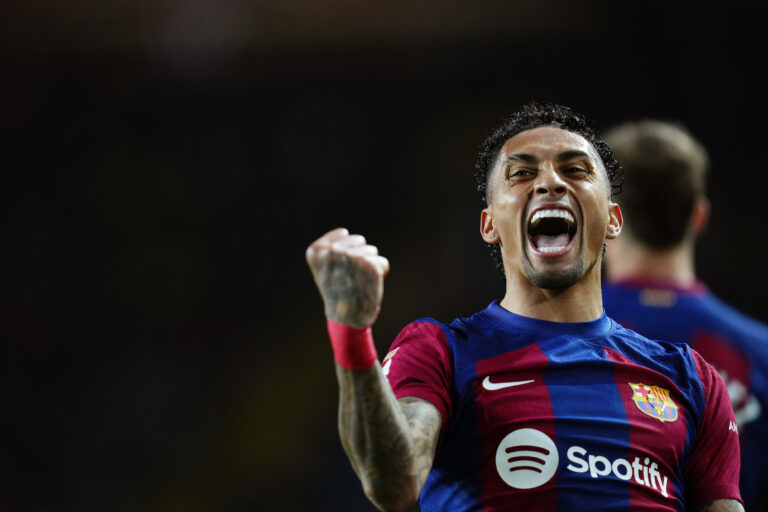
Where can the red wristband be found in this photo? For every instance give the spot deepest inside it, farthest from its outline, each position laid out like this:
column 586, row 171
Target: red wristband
column 353, row 347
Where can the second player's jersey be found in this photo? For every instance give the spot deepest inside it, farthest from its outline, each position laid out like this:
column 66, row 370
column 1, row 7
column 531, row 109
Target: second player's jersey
column 549, row 416
column 734, row 344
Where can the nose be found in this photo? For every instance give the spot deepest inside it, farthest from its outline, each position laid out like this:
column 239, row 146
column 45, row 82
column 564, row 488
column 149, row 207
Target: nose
column 549, row 182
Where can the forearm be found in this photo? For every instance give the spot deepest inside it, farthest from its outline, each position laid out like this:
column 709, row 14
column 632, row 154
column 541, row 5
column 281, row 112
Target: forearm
column 377, row 432
column 377, row 439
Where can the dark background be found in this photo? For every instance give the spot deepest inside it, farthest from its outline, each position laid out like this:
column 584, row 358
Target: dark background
column 166, row 164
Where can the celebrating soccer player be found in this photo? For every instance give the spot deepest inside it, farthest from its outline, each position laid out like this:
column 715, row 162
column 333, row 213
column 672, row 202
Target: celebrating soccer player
column 539, row 402
column 654, row 289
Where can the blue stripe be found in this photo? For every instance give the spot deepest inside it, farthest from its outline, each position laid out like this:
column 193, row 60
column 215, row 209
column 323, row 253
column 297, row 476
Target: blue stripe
column 587, row 405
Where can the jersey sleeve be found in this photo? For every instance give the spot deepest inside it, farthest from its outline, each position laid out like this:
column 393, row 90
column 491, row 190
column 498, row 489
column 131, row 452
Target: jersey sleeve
column 713, row 471
column 419, row 364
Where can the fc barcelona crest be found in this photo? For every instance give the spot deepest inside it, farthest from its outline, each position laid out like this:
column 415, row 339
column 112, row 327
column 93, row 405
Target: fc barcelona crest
column 654, row 401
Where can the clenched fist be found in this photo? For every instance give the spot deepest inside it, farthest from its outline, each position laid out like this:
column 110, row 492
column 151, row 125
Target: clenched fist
column 350, row 276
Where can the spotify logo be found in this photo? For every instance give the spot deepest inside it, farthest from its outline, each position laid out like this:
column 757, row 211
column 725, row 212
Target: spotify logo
column 526, row 458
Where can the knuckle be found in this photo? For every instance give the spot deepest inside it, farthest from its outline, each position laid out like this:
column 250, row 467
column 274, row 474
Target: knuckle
column 322, row 256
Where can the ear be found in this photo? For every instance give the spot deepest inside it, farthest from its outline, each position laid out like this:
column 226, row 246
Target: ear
column 700, row 216
column 487, row 227
column 615, row 221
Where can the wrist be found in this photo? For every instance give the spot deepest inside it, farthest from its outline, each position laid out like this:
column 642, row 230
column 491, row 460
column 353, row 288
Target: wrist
column 353, row 347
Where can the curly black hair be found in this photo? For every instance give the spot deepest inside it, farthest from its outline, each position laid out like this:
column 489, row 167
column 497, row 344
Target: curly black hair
column 529, row 116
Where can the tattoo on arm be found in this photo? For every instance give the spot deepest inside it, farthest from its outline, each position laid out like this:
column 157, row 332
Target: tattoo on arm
column 390, row 444
column 353, row 293
column 424, row 422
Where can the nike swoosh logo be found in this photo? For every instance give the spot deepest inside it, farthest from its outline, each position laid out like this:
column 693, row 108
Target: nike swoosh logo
column 493, row 386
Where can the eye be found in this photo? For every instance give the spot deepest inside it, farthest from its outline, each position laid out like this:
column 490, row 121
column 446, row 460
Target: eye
column 520, row 173
column 576, row 170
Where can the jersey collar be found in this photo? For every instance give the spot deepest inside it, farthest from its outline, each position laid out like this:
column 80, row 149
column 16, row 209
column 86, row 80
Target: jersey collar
column 510, row 321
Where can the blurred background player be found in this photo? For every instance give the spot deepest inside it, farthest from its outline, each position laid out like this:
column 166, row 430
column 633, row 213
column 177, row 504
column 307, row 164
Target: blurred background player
column 652, row 286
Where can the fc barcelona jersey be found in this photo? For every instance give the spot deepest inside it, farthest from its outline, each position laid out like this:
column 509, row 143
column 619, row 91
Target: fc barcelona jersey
column 551, row 416
column 737, row 346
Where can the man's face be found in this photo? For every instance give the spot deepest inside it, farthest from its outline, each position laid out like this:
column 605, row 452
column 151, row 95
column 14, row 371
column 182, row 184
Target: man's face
column 549, row 207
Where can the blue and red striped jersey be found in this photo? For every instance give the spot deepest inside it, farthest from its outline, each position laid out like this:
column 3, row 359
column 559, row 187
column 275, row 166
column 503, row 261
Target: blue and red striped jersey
column 551, row 416
column 736, row 345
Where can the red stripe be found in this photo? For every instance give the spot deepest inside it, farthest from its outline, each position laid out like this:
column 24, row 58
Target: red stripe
column 649, row 437
column 525, row 406
column 726, row 358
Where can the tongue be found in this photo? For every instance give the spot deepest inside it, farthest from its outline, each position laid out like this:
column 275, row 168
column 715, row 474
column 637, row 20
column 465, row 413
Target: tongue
column 542, row 241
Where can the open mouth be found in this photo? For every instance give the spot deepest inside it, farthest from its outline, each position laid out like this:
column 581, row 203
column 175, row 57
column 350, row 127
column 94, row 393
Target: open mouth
column 551, row 231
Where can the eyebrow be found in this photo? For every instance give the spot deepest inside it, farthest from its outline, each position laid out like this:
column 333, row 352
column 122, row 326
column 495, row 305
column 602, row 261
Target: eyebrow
column 531, row 159
column 569, row 155
column 522, row 157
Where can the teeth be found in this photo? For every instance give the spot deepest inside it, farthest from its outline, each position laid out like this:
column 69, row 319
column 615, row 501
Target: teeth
column 551, row 249
column 548, row 214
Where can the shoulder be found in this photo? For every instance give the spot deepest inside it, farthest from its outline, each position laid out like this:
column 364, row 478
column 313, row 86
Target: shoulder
column 677, row 361
column 426, row 331
column 423, row 327
column 425, row 338
column 459, row 327
column 721, row 316
column 435, row 339
column 637, row 343
column 738, row 329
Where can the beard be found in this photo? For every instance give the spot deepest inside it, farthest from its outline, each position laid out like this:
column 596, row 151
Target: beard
column 559, row 279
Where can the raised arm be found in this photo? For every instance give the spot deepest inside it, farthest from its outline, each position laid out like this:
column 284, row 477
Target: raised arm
column 390, row 443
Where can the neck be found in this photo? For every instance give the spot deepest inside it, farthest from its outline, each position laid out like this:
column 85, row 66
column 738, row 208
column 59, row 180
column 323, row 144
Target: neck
column 629, row 260
column 581, row 302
